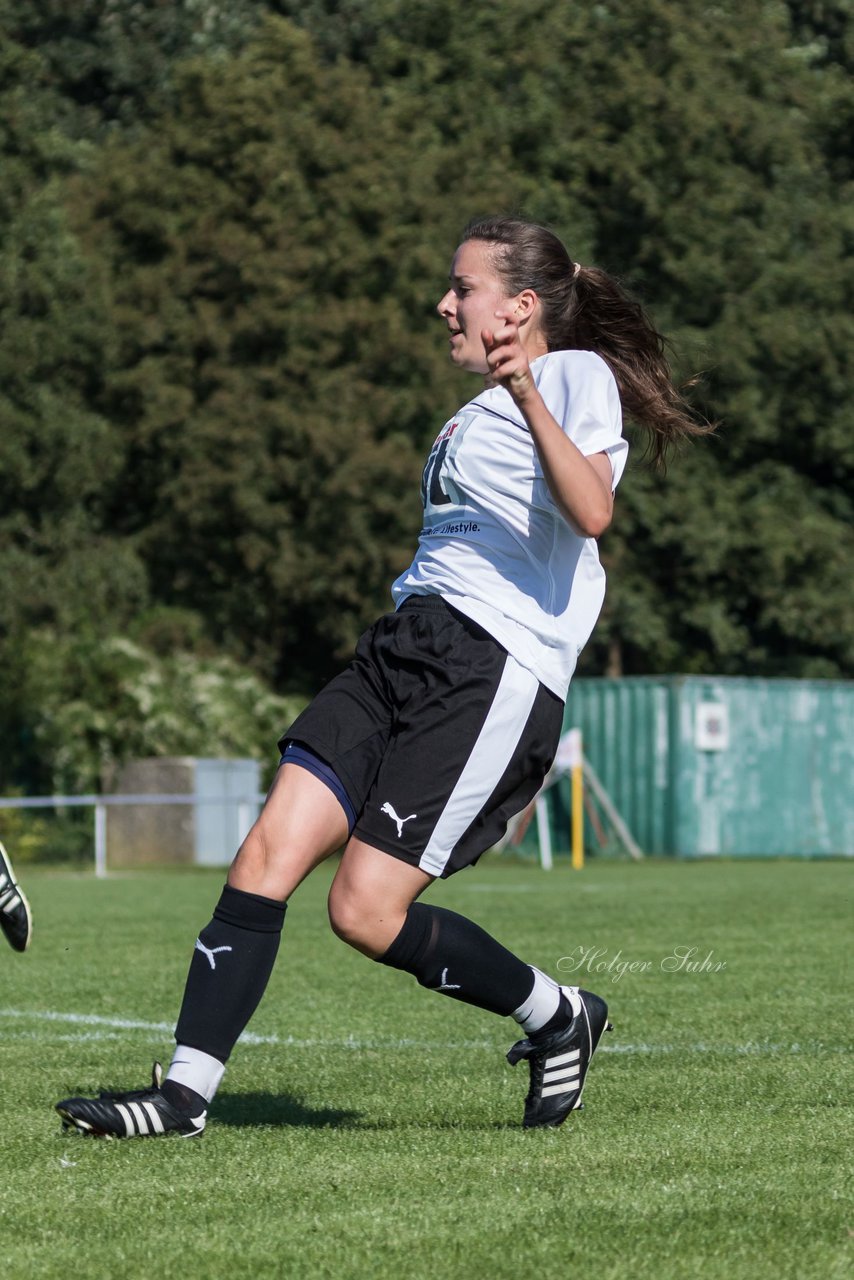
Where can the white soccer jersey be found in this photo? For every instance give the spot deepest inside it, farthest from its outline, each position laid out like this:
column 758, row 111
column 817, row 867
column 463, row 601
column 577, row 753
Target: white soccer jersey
column 494, row 545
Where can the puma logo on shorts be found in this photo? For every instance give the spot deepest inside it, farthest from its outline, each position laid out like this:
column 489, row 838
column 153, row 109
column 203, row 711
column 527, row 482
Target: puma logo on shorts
column 435, row 712
column 390, row 813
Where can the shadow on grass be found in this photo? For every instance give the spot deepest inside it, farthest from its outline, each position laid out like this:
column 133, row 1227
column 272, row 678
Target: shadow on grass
column 257, row 1109
column 247, row 1110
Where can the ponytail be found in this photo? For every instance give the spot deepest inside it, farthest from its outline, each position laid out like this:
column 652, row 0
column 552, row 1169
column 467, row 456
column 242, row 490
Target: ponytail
column 585, row 309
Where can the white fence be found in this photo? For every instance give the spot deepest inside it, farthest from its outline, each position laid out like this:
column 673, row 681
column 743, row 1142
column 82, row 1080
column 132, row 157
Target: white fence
column 246, row 808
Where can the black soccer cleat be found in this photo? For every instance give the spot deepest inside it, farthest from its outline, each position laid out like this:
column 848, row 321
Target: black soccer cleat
column 15, row 918
column 142, row 1113
column 559, row 1060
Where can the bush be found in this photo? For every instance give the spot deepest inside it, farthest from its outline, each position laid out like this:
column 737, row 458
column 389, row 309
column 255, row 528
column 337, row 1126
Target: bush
column 90, row 705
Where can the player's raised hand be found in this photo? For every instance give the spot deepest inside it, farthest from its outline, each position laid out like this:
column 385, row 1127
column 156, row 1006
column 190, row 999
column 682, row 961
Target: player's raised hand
column 506, row 358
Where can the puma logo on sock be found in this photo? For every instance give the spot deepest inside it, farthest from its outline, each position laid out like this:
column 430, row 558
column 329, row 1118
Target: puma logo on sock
column 210, row 952
column 388, row 810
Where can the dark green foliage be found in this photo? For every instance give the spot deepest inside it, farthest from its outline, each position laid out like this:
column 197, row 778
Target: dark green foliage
column 110, row 61
column 224, row 231
column 264, row 407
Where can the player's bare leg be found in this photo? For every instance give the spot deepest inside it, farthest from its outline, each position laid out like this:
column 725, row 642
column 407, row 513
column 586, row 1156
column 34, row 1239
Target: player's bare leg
column 370, row 896
column 300, row 825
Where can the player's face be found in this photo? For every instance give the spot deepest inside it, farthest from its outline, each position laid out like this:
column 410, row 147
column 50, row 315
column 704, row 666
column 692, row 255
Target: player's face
column 469, row 306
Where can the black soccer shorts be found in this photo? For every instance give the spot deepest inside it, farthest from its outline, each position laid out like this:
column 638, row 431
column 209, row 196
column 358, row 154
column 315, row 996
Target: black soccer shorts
column 437, row 734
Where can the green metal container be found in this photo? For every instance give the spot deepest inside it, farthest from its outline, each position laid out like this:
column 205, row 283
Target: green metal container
column 706, row 765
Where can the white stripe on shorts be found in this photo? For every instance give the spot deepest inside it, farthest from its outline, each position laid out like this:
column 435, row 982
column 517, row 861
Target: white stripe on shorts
column 491, row 754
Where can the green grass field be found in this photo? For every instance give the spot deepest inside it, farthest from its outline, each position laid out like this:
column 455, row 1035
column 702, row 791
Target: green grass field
column 369, row 1128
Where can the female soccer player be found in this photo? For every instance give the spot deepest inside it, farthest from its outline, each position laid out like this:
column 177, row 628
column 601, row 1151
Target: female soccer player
column 447, row 720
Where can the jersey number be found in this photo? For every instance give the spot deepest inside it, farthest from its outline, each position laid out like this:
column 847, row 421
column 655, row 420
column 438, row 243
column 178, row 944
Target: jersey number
column 431, row 480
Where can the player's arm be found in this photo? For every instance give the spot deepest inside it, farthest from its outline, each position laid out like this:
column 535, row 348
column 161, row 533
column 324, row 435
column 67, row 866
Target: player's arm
column 580, row 486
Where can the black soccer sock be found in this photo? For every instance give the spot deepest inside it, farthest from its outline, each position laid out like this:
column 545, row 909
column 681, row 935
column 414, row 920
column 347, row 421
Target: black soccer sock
column 229, row 971
column 448, row 953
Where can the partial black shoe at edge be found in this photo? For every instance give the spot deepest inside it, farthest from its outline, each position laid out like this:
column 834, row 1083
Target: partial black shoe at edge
column 559, row 1061
column 16, row 922
column 141, row 1113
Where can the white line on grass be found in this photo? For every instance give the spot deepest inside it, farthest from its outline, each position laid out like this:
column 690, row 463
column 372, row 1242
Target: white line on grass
column 112, row 1025
column 87, row 1019
column 110, row 1028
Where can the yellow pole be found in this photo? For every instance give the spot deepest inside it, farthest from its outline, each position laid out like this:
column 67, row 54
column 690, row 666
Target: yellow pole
column 573, row 761
column 577, row 818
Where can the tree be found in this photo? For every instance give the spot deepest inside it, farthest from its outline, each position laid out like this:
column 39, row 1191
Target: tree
column 58, row 456
column 109, row 64
column 269, row 380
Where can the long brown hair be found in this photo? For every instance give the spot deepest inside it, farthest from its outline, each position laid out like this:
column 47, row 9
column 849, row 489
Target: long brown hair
column 585, row 309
